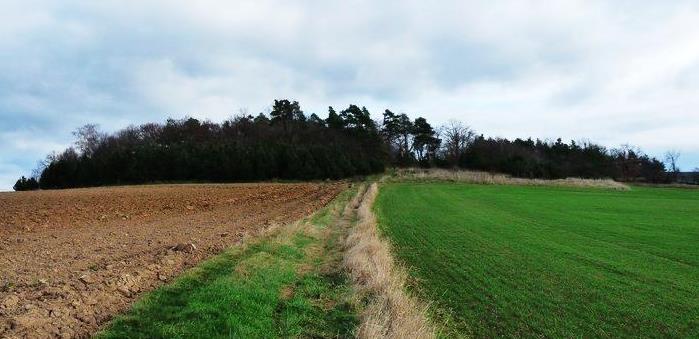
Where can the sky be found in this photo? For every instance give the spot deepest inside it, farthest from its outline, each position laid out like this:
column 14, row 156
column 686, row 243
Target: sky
column 613, row 72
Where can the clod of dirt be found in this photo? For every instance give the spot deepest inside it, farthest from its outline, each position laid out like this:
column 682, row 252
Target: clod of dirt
column 224, row 234
column 187, row 248
column 124, row 291
column 10, row 302
column 86, row 279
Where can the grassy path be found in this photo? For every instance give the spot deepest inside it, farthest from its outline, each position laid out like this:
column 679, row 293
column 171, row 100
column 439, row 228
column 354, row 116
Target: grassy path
column 287, row 284
column 555, row 262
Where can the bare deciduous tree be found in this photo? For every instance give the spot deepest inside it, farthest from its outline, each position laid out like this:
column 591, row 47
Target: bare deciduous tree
column 671, row 158
column 88, row 138
column 628, row 161
column 456, row 138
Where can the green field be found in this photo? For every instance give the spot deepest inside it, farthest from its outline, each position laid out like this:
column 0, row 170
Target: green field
column 519, row 261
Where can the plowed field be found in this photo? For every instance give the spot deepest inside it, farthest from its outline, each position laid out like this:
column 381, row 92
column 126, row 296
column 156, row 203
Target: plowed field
column 71, row 259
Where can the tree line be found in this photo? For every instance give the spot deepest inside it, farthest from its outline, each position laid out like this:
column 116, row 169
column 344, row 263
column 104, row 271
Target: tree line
column 287, row 144
column 455, row 145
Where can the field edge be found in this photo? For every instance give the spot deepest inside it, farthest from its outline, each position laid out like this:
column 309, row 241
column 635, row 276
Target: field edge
column 389, row 311
column 287, row 276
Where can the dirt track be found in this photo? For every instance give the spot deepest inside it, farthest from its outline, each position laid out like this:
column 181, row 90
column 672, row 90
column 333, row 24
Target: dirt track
column 71, row 259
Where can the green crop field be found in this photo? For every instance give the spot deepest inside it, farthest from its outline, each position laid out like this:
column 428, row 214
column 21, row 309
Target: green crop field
column 519, row 261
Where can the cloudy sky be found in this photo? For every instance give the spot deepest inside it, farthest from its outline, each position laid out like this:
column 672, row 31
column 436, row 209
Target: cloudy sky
column 613, row 72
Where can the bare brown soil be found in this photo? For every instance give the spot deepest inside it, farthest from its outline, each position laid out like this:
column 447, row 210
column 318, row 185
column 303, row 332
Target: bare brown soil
column 71, row 259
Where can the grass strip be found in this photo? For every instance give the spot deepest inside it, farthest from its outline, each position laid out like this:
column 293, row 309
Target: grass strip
column 389, row 311
column 286, row 284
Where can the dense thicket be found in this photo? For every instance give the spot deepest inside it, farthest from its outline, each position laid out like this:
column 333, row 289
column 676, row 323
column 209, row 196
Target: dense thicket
column 538, row 159
column 24, row 184
column 457, row 146
column 287, row 144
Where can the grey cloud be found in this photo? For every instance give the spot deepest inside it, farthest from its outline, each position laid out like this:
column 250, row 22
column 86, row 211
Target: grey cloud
column 510, row 68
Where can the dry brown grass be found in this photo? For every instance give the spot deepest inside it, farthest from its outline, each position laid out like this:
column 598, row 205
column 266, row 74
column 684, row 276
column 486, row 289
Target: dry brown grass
column 475, row 177
column 390, row 312
column 682, row 186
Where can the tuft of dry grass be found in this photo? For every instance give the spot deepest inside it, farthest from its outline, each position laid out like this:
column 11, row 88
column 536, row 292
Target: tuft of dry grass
column 390, row 312
column 476, row 177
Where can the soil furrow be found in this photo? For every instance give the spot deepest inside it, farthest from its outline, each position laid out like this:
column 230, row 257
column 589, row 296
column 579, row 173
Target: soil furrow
column 71, row 259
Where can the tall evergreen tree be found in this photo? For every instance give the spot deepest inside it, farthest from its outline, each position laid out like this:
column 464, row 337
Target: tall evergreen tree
column 284, row 112
column 334, row 120
column 425, row 143
column 314, row 119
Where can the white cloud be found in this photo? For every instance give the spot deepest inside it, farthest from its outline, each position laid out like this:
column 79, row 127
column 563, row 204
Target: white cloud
column 29, row 141
column 614, row 72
